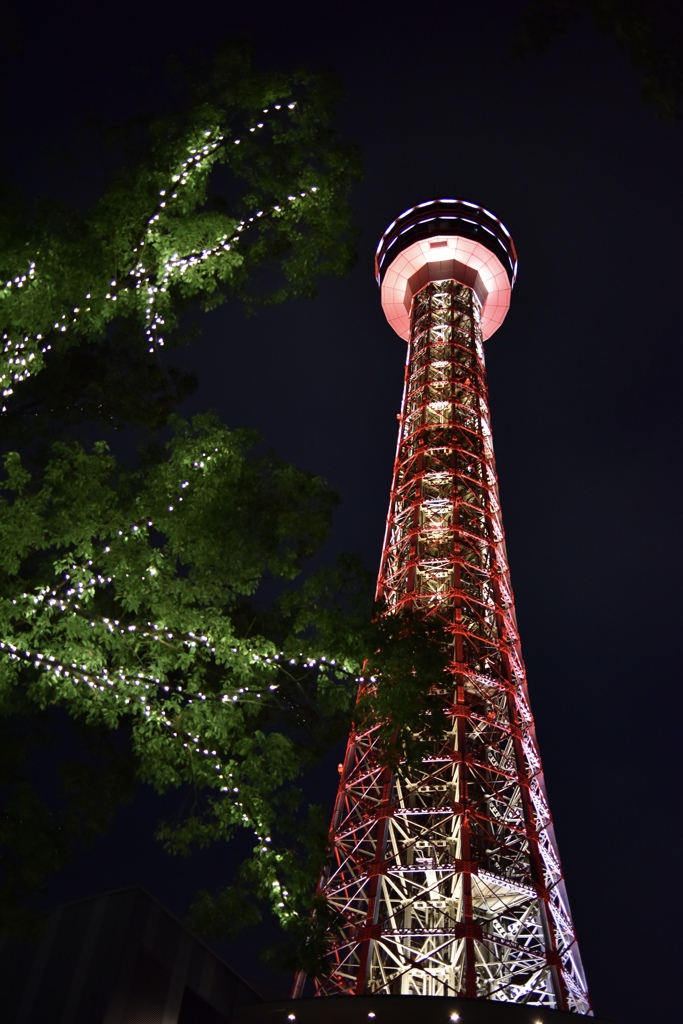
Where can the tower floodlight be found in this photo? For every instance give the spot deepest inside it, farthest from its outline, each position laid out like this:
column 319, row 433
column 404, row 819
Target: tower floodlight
column 445, row 878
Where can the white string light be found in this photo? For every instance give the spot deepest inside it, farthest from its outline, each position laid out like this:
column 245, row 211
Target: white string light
column 120, row 685
column 200, row 158
column 146, row 694
column 131, row 691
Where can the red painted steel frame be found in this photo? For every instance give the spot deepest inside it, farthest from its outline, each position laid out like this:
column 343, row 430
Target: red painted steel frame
column 447, row 880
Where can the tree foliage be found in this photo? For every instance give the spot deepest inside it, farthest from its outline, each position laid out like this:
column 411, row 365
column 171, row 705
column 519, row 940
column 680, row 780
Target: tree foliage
column 129, row 585
column 126, row 598
column 244, row 192
column 649, row 31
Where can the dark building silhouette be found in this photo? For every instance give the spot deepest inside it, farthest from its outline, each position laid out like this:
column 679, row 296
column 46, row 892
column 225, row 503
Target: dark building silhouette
column 119, row 958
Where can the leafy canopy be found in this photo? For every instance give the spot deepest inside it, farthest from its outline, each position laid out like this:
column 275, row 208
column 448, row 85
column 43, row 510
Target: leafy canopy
column 125, row 598
column 129, row 586
column 250, row 178
column 131, row 589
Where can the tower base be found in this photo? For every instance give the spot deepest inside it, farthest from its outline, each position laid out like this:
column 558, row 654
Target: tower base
column 402, row 1010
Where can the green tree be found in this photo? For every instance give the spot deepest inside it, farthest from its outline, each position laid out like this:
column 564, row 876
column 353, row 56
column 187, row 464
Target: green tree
column 244, row 193
column 649, row 31
column 125, row 598
column 129, row 587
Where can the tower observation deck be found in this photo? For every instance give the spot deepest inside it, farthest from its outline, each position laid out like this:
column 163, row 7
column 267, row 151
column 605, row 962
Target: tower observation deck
column 447, row 878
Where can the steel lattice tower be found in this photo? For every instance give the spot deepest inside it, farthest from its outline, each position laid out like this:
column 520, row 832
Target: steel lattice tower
column 448, row 882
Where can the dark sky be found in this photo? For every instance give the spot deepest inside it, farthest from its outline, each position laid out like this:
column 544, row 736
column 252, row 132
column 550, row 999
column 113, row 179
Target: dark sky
column 584, row 379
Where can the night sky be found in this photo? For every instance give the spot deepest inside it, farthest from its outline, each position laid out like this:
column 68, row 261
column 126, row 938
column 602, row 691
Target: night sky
column 584, row 386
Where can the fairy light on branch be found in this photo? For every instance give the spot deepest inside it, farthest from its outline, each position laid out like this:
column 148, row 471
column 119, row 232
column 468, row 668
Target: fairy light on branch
column 83, row 682
column 59, row 634
column 153, row 698
column 24, row 357
column 120, row 686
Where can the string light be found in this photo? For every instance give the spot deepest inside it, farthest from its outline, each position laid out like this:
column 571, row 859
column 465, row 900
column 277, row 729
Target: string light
column 146, row 694
column 200, row 157
column 151, row 697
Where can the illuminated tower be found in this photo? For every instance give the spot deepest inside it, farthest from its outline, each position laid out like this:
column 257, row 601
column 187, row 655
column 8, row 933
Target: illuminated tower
column 448, row 882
